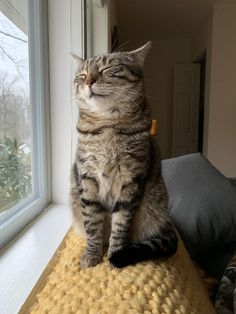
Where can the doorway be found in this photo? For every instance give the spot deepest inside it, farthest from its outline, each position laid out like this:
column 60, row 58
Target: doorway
column 202, row 61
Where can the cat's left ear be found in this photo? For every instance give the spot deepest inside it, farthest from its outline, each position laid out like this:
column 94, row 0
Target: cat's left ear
column 76, row 58
column 141, row 53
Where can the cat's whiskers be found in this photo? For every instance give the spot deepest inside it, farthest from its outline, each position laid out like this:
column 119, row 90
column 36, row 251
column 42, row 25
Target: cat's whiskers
column 122, row 45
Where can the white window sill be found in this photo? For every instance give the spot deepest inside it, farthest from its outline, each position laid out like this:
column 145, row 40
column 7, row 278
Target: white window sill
column 22, row 263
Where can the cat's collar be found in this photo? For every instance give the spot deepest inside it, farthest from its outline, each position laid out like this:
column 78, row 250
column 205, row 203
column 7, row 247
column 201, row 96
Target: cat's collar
column 153, row 130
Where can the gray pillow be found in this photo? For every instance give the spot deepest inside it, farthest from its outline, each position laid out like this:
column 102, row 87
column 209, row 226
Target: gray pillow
column 202, row 203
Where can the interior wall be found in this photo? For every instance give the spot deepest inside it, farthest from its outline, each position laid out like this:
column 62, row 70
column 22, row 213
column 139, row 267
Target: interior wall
column 221, row 143
column 159, row 72
column 200, row 41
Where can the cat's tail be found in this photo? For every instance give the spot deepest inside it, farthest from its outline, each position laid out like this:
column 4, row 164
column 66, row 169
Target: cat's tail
column 152, row 248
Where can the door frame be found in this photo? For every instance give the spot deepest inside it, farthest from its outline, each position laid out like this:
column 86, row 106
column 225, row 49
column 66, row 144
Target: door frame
column 201, row 59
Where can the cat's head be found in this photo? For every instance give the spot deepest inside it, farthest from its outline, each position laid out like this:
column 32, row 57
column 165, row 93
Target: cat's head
column 111, row 82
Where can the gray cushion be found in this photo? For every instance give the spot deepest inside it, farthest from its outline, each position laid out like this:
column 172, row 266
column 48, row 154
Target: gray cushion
column 202, row 203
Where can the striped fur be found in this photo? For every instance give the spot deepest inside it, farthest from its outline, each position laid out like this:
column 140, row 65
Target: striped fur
column 118, row 196
column 226, row 294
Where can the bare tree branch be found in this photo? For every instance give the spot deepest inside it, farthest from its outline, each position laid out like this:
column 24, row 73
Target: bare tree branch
column 15, row 37
column 9, row 85
column 11, row 59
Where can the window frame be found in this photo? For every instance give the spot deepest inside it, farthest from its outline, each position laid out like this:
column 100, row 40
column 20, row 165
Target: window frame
column 18, row 216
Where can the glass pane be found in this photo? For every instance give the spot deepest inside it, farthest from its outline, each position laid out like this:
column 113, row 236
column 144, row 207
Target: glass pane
column 15, row 140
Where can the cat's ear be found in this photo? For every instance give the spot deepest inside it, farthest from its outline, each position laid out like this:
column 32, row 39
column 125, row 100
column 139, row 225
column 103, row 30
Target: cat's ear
column 141, row 53
column 76, row 58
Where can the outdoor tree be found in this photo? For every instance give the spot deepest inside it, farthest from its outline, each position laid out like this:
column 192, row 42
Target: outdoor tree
column 14, row 110
column 15, row 148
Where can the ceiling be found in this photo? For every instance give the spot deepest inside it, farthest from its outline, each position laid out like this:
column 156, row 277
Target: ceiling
column 161, row 18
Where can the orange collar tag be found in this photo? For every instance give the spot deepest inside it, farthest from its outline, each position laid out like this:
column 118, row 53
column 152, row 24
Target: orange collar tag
column 154, row 128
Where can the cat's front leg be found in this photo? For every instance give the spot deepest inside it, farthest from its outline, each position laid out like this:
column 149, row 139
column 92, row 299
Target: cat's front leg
column 93, row 218
column 122, row 216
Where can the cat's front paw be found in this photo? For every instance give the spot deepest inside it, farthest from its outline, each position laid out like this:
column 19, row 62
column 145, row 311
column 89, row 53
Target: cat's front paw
column 88, row 260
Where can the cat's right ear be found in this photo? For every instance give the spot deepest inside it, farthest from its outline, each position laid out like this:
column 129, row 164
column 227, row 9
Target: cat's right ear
column 76, row 58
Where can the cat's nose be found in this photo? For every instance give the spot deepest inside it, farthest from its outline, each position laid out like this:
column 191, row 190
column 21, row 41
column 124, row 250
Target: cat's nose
column 90, row 81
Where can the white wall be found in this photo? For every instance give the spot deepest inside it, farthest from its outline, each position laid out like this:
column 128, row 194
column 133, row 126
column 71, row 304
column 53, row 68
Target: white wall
column 217, row 36
column 60, row 100
column 221, row 142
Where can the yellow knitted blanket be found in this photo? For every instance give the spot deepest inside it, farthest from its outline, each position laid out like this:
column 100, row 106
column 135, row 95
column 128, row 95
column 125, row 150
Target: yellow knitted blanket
column 164, row 286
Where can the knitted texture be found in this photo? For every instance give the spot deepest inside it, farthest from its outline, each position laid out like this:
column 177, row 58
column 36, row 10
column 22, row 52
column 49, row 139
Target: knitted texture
column 165, row 286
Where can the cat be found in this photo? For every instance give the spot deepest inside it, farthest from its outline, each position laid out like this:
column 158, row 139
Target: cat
column 118, row 195
column 225, row 301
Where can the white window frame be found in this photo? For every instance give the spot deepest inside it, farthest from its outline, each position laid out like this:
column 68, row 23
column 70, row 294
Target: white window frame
column 98, row 27
column 17, row 217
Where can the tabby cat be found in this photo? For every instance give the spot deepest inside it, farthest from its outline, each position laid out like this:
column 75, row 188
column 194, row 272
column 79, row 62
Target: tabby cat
column 118, row 196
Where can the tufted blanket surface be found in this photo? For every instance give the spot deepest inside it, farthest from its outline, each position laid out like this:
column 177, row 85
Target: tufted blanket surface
column 165, row 286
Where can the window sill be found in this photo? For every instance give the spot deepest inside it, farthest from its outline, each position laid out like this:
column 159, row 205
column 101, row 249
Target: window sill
column 24, row 260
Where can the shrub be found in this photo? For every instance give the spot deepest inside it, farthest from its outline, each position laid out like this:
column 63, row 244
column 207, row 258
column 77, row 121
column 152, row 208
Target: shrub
column 15, row 172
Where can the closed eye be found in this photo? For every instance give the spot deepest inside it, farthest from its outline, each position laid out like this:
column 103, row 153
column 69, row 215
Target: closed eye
column 117, row 75
column 115, row 71
column 121, row 72
column 104, row 70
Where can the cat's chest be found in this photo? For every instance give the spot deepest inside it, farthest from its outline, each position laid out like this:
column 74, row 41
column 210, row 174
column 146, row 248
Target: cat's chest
column 106, row 160
column 106, row 148
column 111, row 178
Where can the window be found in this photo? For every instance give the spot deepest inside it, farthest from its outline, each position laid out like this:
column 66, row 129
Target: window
column 15, row 120
column 24, row 171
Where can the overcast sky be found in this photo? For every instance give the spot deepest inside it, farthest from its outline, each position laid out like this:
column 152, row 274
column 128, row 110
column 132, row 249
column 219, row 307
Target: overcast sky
column 18, row 52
